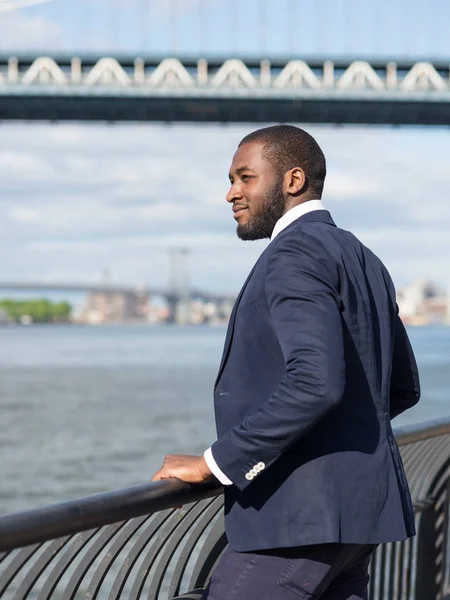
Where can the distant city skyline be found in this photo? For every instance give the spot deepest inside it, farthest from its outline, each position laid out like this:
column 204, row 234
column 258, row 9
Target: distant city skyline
column 420, row 303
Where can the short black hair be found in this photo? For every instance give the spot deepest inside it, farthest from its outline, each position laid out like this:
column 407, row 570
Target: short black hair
column 286, row 147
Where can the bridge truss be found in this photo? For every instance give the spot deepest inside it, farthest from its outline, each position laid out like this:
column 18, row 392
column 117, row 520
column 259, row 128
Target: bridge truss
column 232, row 90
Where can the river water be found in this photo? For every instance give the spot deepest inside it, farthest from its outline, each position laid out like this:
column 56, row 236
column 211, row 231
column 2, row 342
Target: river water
column 91, row 409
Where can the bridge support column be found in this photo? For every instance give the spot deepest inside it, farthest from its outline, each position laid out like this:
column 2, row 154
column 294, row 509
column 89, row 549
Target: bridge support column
column 75, row 72
column 391, row 75
column 328, row 74
column 13, row 70
column 202, row 71
column 139, row 71
column 265, row 75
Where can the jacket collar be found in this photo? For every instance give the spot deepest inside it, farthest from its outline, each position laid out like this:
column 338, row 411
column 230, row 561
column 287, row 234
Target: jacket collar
column 315, row 216
column 323, row 216
column 295, row 213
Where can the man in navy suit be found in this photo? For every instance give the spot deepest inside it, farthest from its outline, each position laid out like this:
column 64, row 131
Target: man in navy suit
column 316, row 364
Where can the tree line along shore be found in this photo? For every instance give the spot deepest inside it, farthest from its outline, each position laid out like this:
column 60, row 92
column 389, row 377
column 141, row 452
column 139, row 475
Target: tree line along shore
column 34, row 311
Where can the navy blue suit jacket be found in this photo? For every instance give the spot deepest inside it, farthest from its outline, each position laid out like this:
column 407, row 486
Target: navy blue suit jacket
column 316, row 364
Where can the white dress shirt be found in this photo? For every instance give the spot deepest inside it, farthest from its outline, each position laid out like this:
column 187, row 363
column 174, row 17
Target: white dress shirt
column 289, row 217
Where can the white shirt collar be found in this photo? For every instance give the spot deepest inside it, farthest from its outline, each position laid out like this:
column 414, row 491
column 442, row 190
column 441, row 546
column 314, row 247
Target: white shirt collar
column 294, row 213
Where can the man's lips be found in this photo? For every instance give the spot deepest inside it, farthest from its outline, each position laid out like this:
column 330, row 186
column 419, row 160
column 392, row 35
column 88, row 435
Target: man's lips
column 238, row 211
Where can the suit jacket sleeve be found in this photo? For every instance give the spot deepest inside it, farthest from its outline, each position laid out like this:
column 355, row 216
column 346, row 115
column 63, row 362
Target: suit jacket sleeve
column 301, row 291
column 405, row 386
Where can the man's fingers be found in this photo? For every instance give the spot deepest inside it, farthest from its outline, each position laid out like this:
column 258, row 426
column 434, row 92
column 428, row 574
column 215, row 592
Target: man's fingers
column 185, row 467
column 158, row 475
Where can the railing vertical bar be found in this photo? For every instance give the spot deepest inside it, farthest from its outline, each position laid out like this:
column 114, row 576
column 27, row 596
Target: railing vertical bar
column 415, row 553
column 439, row 491
column 169, row 526
column 401, row 570
column 426, row 575
column 79, row 542
column 119, row 543
column 386, row 550
column 421, row 455
column 434, row 451
column 202, row 514
column 439, row 541
column 52, row 550
column 209, row 555
column 186, row 553
column 144, row 539
column 16, row 565
column 82, row 568
column 446, row 577
column 165, row 526
column 393, row 571
column 373, row 574
column 408, row 570
column 444, row 556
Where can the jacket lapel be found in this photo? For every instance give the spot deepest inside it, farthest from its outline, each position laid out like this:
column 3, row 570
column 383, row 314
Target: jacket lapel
column 230, row 329
column 316, row 215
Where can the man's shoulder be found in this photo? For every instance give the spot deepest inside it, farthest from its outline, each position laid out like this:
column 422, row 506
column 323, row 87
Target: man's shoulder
column 304, row 234
column 325, row 243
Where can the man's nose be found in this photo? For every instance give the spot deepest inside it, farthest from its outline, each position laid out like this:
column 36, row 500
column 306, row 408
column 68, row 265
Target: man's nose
column 234, row 194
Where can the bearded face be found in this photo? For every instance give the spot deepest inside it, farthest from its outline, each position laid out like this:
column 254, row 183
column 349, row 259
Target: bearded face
column 263, row 214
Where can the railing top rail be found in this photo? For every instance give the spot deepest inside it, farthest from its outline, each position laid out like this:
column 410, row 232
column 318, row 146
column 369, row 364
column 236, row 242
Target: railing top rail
column 409, row 434
column 67, row 518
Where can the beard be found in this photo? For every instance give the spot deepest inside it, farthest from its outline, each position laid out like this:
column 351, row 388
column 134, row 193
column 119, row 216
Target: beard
column 262, row 223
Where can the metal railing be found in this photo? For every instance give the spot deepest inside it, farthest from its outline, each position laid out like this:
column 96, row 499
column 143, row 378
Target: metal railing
column 135, row 543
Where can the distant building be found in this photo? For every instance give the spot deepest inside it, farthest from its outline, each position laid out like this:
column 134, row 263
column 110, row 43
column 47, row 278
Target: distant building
column 112, row 307
column 158, row 310
column 423, row 303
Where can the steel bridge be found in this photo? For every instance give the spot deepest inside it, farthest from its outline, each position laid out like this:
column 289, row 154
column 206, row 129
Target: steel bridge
column 110, row 289
column 129, row 88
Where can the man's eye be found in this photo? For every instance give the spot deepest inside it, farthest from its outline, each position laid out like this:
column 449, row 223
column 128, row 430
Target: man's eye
column 245, row 177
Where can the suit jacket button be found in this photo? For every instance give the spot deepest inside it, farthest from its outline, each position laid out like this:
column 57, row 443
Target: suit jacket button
column 249, row 476
column 260, row 466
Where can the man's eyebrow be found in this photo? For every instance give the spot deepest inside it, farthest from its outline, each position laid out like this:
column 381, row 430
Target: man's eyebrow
column 240, row 170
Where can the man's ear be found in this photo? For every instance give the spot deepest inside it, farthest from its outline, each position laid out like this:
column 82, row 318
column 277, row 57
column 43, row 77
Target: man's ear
column 295, row 181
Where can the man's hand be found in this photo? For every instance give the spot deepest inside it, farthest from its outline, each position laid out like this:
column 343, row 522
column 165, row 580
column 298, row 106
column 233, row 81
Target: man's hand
column 192, row 469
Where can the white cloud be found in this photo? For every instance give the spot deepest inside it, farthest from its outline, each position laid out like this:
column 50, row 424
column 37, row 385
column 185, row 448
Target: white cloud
column 24, row 214
column 166, row 7
column 11, row 5
column 433, row 210
column 410, row 253
column 26, row 165
column 345, row 186
column 75, row 199
column 23, row 32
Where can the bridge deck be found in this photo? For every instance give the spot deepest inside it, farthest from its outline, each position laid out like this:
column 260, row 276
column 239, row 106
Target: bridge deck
column 233, row 90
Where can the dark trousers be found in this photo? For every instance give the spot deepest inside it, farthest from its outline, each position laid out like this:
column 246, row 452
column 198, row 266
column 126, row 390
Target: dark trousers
column 325, row 571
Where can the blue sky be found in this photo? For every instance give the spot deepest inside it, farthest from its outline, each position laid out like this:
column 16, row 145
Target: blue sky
column 77, row 198
column 418, row 28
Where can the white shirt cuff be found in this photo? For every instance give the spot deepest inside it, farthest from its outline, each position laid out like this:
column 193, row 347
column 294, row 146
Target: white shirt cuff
column 209, row 458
